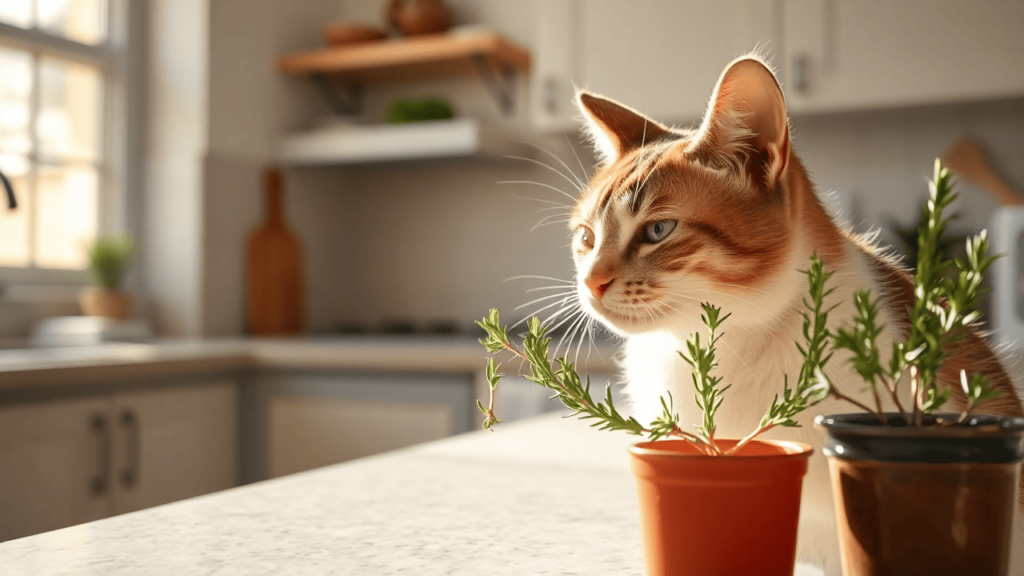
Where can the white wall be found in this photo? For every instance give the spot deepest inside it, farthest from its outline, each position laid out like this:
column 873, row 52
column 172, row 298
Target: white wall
column 437, row 240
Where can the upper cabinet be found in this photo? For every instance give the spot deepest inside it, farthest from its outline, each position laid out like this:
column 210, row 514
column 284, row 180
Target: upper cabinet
column 843, row 55
column 663, row 57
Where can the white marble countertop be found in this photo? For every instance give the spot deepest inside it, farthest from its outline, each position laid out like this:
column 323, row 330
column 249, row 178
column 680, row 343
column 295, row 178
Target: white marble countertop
column 543, row 496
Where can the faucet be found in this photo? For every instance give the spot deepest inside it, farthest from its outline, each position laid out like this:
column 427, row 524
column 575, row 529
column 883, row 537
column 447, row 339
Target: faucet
column 12, row 202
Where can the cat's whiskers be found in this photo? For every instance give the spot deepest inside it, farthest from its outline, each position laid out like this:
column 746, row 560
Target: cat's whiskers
column 580, row 317
column 544, row 200
column 542, row 185
column 549, row 220
column 544, row 288
column 579, row 181
column 577, row 185
column 566, row 301
column 562, row 294
column 534, row 277
column 571, row 147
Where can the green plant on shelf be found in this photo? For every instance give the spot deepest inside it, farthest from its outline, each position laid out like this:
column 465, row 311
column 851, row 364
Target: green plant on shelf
column 109, row 260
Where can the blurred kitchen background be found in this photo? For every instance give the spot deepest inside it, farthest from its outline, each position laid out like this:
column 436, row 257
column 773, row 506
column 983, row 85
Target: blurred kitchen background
column 414, row 146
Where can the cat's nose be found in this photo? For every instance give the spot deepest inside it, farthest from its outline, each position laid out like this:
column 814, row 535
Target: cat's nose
column 598, row 284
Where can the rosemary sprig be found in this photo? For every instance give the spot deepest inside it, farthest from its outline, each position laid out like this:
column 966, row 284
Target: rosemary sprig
column 562, row 378
column 702, row 360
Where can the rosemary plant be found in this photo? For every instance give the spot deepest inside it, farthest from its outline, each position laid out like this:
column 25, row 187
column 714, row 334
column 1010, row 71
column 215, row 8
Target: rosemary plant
column 561, row 377
column 943, row 307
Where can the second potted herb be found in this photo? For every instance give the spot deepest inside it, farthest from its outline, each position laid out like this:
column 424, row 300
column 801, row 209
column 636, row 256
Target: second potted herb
column 919, row 491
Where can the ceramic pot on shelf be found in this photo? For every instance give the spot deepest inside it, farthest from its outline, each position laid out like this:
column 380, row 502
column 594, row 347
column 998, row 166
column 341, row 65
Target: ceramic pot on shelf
column 416, row 17
column 105, row 303
column 706, row 515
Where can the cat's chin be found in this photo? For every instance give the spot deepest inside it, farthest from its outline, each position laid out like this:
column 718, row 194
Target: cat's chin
column 620, row 324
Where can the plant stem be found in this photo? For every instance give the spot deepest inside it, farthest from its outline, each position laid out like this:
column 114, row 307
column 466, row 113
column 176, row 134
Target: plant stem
column 891, row 387
column 743, row 442
column 840, row 396
column 915, row 391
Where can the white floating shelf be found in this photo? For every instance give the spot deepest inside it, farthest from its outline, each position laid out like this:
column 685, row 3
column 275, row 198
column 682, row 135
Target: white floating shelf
column 360, row 144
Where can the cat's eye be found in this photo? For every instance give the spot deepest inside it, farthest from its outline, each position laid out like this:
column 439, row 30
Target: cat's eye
column 657, row 231
column 587, row 236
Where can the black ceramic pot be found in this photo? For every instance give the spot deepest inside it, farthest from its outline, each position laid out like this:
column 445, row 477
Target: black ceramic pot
column 924, row 500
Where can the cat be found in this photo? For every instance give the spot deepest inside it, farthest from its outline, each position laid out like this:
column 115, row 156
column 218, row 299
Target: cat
column 725, row 213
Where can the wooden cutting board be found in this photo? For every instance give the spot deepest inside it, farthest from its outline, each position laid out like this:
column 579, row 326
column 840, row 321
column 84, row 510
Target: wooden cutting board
column 276, row 289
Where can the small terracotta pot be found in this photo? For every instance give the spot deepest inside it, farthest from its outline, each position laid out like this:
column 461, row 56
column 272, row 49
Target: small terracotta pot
column 719, row 515
column 106, row 303
column 924, row 500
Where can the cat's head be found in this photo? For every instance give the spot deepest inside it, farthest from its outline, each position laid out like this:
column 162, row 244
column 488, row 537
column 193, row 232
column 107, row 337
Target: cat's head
column 673, row 218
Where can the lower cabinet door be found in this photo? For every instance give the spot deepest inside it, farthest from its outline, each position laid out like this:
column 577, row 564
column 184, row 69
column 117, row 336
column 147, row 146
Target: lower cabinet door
column 315, row 421
column 55, row 465
column 173, row 443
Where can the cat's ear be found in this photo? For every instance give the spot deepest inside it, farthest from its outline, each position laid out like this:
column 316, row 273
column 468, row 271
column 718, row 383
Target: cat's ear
column 746, row 126
column 615, row 129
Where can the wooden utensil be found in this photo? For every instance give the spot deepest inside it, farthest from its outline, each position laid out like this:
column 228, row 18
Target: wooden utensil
column 967, row 160
column 276, row 292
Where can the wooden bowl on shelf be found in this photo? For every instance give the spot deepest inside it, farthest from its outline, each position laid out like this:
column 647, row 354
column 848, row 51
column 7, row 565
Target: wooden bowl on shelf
column 350, row 34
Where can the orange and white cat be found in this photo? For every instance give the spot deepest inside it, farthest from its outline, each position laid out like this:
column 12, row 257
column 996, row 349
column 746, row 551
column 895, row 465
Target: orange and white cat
column 726, row 214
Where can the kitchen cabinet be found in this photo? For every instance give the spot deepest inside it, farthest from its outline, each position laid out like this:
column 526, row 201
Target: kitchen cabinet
column 314, row 420
column 54, row 465
column 63, row 462
column 661, row 57
column 859, row 54
column 174, row 443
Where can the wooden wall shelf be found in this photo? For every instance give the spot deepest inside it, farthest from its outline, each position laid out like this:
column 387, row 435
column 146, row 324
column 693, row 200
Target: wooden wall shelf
column 339, row 73
column 433, row 55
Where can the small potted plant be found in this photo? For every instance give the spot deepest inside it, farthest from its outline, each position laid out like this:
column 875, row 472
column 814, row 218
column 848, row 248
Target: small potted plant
column 701, row 497
column 918, row 490
column 109, row 260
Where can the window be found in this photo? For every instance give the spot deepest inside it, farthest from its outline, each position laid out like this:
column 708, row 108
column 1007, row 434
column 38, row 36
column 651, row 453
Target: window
column 55, row 63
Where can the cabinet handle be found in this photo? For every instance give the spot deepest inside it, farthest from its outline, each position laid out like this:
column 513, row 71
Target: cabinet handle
column 99, row 483
column 130, row 424
column 800, row 64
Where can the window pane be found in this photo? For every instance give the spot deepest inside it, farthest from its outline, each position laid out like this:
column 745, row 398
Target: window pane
column 14, row 223
column 16, row 12
column 66, row 202
column 78, row 20
column 15, row 91
column 70, row 114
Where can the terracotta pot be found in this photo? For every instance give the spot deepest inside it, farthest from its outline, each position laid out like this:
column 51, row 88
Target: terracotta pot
column 719, row 515
column 924, row 500
column 107, row 303
column 351, row 34
column 414, row 17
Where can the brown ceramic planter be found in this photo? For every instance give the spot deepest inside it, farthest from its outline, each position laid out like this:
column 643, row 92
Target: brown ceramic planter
column 106, row 303
column 924, row 500
column 719, row 515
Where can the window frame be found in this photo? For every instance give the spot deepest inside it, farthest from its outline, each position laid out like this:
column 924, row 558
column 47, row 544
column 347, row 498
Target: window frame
column 118, row 149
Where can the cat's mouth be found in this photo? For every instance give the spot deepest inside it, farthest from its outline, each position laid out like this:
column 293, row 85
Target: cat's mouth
column 619, row 320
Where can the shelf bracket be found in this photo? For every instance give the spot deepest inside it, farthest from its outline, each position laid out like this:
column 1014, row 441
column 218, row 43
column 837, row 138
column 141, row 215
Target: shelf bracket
column 344, row 100
column 502, row 87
